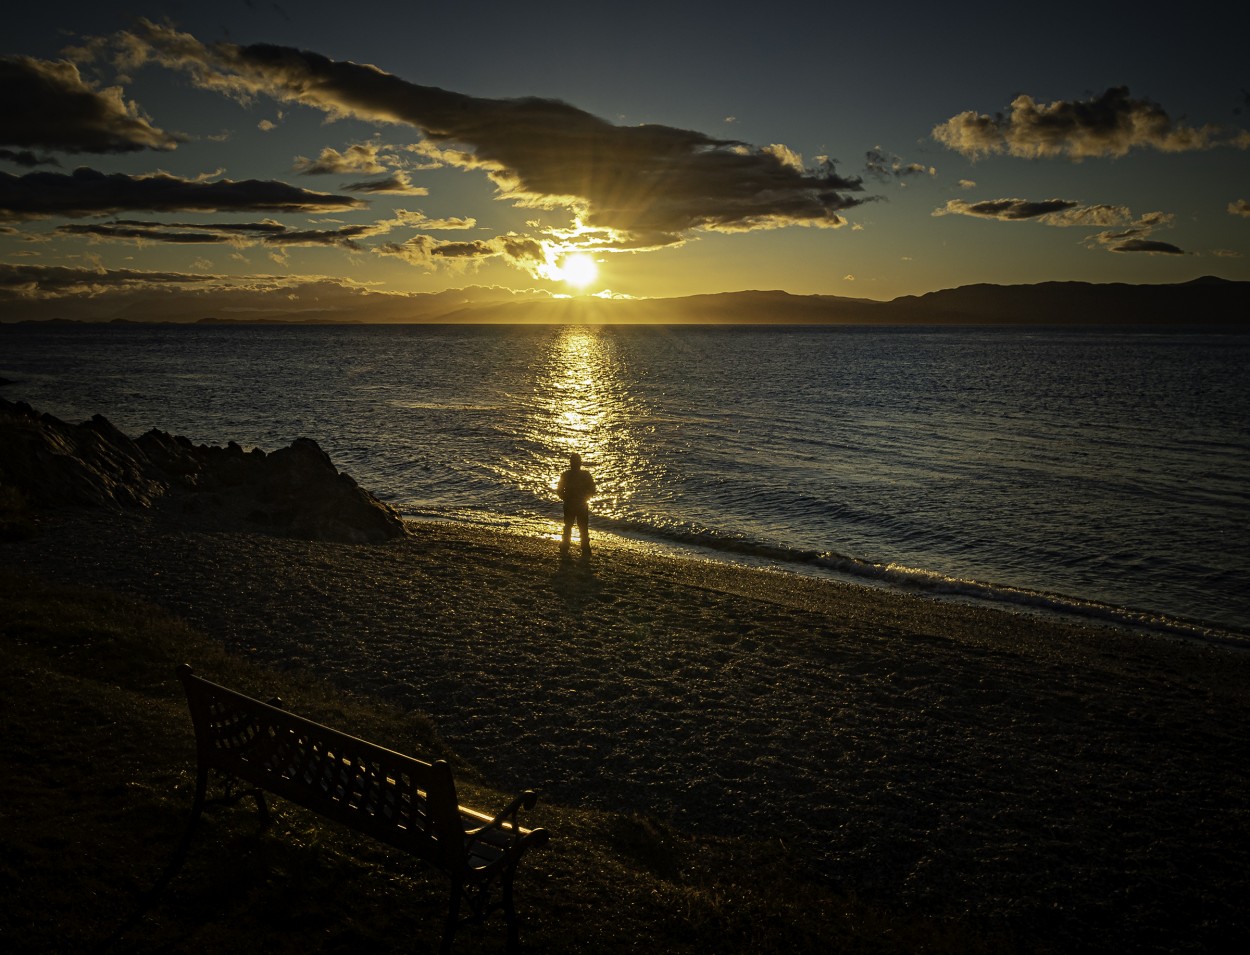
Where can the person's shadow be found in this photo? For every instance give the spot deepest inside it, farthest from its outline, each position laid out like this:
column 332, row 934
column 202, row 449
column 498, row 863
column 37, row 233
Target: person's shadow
column 575, row 580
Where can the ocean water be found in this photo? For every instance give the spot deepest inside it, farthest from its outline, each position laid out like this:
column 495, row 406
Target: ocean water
column 1101, row 472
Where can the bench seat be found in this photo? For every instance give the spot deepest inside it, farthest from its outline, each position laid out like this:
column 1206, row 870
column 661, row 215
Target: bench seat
column 404, row 802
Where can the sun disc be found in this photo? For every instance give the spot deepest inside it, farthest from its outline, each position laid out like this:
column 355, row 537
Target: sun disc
column 578, row 269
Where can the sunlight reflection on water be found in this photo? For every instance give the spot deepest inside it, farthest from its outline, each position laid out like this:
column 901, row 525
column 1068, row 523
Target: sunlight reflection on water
column 582, row 402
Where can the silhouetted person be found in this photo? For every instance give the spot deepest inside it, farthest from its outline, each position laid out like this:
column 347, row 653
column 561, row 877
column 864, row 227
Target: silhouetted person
column 575, row 489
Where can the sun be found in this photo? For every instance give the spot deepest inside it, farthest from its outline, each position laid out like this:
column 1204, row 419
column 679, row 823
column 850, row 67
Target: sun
column 578, row 269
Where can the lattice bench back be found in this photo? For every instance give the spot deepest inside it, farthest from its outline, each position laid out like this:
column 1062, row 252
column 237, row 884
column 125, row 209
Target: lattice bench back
column 399, row 800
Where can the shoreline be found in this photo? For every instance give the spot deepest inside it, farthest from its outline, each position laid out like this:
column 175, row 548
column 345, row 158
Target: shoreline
column 1053, row 607
column 1054, row 781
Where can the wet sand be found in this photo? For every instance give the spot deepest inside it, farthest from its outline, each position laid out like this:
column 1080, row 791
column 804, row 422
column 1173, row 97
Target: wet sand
column 1077, row 787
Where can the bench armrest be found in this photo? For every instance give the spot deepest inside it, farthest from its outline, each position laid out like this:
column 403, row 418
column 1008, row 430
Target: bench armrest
column 508, row 816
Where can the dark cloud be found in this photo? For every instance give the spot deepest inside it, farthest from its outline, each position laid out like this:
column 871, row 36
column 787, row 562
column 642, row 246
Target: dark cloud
column 262, row 227
column 1009, row 209
column 46, row 105
column 232, row 233
column 652, row 181
column 519, row 251
column 38, row 281
column 1110, row 124
column 86, row 192
column 463, row 250
column 1137, row 237
column 25, row 157
column 1069, row 213
column 1153, row 246
column 397, row 184
column 141, row 233
column 345, row 236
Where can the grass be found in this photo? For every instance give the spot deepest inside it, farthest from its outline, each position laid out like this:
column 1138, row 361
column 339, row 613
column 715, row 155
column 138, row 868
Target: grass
column 17, row 520
column 96, row 784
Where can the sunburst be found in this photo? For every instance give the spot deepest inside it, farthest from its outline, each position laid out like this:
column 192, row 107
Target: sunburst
column 578, row 269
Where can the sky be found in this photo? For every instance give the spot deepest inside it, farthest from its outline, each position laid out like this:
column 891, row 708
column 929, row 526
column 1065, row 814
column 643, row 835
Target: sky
column 648, row 150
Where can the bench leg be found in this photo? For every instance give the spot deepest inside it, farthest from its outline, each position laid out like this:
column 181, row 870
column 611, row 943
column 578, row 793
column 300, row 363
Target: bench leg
column 263, row 808
column 197, row 809
column 509, row 911
column 453, row 918
column 148, row 898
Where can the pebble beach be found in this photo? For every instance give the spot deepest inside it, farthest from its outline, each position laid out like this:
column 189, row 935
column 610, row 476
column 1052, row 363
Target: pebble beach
column 1073, row 787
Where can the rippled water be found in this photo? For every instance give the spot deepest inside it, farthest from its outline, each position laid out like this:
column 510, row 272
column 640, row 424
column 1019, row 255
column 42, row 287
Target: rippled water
column 1053, row 468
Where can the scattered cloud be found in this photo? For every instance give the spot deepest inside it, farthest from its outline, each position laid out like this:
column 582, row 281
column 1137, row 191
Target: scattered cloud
column 539, row 257
column 1137, row 237
column 1007, row 209
column 1226, row 253
column 429, row 252
column 967, row 184
column 649, row 185
column 359, row 158
column 366, row 159
column 1239, row 208
column 396, row 184
column 882, row 165
column 266, row 125
column 45, row 104
column 420, row 220
column 1110, row 124
column 1100, row 215
column 86, row 192
column 1133, row 236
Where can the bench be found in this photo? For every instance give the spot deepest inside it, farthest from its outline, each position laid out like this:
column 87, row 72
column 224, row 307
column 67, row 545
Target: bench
column 403, row 802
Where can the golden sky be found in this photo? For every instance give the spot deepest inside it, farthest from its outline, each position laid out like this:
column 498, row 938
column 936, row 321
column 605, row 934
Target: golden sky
column 197, row 155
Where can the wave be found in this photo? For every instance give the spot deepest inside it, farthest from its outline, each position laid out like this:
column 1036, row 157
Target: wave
column 929, row 582
column 739, row 548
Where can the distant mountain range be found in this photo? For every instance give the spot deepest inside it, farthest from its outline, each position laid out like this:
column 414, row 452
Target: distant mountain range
column 1204, row 301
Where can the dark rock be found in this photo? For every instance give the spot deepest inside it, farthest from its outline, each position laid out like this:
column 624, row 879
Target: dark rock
column 295, row 490
column 54, row 463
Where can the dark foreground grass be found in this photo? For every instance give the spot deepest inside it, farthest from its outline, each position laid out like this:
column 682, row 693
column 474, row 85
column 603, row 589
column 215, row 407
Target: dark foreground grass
column 96, row 781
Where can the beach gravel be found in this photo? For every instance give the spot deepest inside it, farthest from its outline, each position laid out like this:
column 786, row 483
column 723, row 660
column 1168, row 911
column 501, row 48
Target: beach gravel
column 1076, row 787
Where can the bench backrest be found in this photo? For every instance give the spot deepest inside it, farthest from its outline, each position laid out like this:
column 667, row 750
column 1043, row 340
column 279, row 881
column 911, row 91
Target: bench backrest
column 402, row 801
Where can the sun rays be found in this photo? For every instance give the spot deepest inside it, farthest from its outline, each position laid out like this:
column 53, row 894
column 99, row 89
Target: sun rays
column 577, row 269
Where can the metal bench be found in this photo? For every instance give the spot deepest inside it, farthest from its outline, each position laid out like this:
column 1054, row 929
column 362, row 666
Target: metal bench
column 401, row 801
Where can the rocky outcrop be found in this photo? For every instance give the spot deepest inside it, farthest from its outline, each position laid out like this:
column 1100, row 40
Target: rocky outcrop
column 295, row 491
